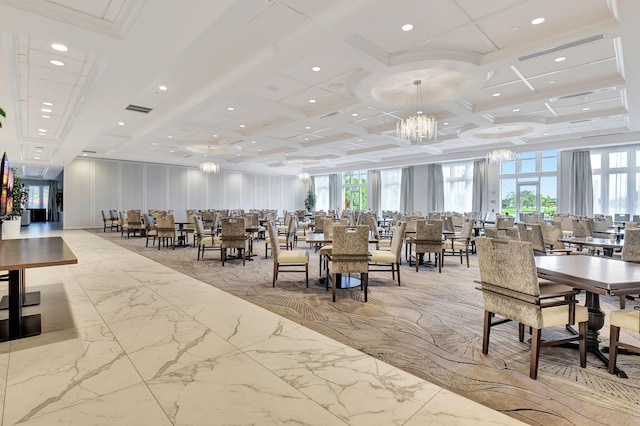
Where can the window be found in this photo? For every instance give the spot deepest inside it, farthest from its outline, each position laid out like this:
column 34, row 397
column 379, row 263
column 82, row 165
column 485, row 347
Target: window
column 616, row 175
column 529, row 182
column 354, row 190
column 458, row 186
column 38, row 196
column 322, row 192
column 390, row 189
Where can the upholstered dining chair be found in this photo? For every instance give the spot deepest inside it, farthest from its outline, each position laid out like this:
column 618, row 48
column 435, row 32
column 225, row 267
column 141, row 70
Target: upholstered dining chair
column 134, row 221
column 108, row 221
column 630, row 252
column 461, row 244
column 629, row 320
column 124, row 223
column 427, row 239
column 284, row 239
column 532, row 233
column 504, row 222
column 380, row 242
column 282, row 260
column 510, row 287
column 391, row 258
column 502, row 234
column 166, row 230
column 205, row 240
column 150, row 228
column 350, row 255
column 233, row 236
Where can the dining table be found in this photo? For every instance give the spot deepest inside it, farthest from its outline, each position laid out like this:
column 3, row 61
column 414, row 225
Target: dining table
column 596, row 275
column 607, row 244
column 16, row 256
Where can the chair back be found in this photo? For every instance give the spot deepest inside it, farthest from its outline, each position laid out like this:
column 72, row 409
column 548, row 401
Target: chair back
column 134, row 220
column 350, row 252
column 113, row 214
column 149, row 222
column 631, row 247
column 166, row 226
column 428, row 236
column 502, row 234
column 233, row 233
column 467, row 229
column 447, row 224
column 504, row 222
column 551, row 233
column 327, row 227
column 532, row 233
column 582, row 228
column 319, row 223
column 373, row 226
column 200, row 230
column 273, row 236
column 621, row 217
column 104, row 217
column 630, row 225
column 397, row 239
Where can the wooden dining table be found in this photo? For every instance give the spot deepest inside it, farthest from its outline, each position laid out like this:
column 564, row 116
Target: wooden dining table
column 597, row 276
column 608, row 246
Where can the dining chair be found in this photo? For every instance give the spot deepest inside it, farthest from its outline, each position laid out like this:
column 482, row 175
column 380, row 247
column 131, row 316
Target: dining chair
column 350, row 255
column 380, row 242
column 502, row 234
column 108, row 221
column 166, row 229
column 325, row 250
column 532, row 233
column 134, row 221
column 233, row 236
column 510, row 287
column 630, row 252
column 629, row 320
column 205, row 240
column 427, row 239
column 284, row 239
column 504, row 222
column 391, row 258
column 287, row 259
column 150, row 228
column 461, row 243
column 124, row 223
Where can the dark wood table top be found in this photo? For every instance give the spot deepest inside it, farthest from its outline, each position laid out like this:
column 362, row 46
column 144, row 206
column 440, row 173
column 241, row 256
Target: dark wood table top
column 34, row 253
column 600, row 275
column 594, row 242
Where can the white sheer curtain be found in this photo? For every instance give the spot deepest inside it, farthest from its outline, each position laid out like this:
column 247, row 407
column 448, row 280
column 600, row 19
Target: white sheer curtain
column 581, row 184
column 335, row 193
column 480, row 186
column 321, row 188
column 406, row 190
column 390, row 180
column 374, row 191
column 435, row 188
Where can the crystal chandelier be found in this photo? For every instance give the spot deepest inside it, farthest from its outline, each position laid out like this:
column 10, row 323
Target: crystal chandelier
column 304, row 176
column 419, row 128
column 498, row 155
column 209, row 167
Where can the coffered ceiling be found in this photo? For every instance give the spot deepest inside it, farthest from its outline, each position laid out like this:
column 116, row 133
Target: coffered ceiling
column 285, row 86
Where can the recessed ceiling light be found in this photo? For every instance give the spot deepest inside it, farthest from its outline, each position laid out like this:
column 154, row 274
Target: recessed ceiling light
column 259, row 149
column 552, row 82
column 242, row 126
column 355, row 114
column 237, row 155
column 515, row 109
column 215, row 136
column 170, row 137
column 154, row 143
column 171, row 151
column 545, row 134
column 495, row 95
column 359, row 140
column 162, row 87
column 306, row 139
column 586, row 109
column 308, row 127
column 45, row 116
column 84, row 155
column 230, row 108
column 446, row 123
column 537, row 21
column 59, row 47
column 36, row 158
column 42, row 130
column 120, row 123
column 560, row 59
column 407, row 27
column 56, row 63
column 312, row 101
column 253, row 141
column 515, row 28
column 205, row 155
column 47, row 103
column 41, row 134
column 316, row 69
column 45, row 110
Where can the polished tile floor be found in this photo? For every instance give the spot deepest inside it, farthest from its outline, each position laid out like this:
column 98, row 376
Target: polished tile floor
column 128, row 341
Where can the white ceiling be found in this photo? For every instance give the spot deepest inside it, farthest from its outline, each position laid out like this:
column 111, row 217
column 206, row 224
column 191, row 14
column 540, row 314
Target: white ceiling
column 256, row 56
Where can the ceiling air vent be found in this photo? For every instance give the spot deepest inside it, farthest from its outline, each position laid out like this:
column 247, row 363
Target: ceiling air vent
column 338, row 112
column 137, row 108
column 88, row 152
column 582, row 94
column 561, row 47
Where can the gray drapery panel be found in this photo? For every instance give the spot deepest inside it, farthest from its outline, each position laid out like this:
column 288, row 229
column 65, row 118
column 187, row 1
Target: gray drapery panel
column 374, row 191
column 435, row 188
column 581, row 184
column 480, row 186
column 335, row 194
column 312, row 185
column 52, row 208
column 406, row 190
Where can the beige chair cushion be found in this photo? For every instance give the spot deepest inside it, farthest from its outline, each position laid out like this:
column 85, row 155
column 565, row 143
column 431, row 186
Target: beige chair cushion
column 326, row 249
column 459, row 245
column 384, row 243
column 627, row 319
column 559, row 315
column 293, row 256
column 210, row 240
column 383, row 256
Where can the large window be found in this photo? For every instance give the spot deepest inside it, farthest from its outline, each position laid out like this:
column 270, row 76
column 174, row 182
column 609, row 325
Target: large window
column 354, row 190
column 458, row 186
column 390, row 180
column 529, row 183
column 616, row 180
column 322, row 192
column 38, row 196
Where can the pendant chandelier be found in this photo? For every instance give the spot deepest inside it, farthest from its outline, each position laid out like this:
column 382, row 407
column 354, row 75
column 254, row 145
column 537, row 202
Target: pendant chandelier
column 419, row 128
column 499, row 155
column 209, row 167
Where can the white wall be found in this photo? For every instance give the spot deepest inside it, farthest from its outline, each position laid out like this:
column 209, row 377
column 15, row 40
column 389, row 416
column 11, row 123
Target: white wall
column 92, row 185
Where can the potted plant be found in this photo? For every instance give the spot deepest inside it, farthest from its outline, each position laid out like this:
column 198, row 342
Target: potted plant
column 310, row 201
column 3, row 115
column 20, row 195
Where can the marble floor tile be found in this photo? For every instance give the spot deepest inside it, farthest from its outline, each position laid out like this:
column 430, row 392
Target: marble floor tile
column 133, row 406
column 213, row 393
column 60, row 369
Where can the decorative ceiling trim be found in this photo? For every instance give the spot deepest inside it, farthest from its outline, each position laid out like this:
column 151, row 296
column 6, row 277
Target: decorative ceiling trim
column 116, row 29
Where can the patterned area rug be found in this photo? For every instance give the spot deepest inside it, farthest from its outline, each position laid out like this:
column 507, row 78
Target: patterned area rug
column 431, row 326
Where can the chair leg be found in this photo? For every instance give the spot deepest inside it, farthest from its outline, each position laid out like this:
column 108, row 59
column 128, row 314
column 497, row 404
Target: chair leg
column 582, row 328
column 467, row 252
column 338, row 278
column 614, row 335
column 365, row 282
column 486, row 331
column 275, row 274
column 439, row 258
column 521, row 332
column 535, row 353
column 622, row 301
column 398, row 272
column 306, row 271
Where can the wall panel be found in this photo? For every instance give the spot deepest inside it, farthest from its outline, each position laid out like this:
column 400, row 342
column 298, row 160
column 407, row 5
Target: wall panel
column 78, row 194
column 131, row 186
column 106, row 175
column 156, row 187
